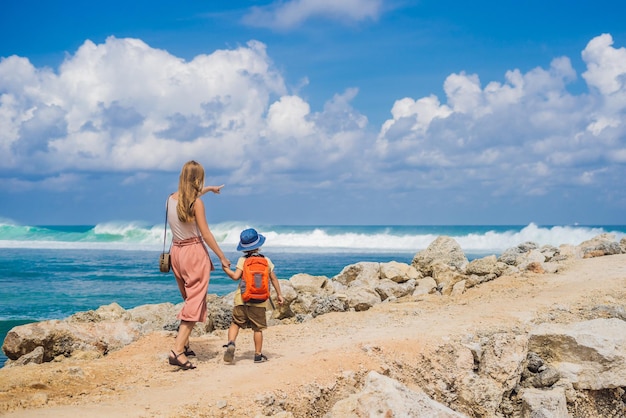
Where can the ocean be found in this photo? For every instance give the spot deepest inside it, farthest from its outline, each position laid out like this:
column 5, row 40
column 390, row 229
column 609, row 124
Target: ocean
column 52, row 272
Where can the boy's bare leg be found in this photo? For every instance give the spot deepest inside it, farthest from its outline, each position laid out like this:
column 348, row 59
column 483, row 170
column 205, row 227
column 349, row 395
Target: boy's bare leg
column 233, row 331
column 259, row 357
column 258, row 342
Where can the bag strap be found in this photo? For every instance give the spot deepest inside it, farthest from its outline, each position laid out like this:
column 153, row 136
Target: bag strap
column 167, row 206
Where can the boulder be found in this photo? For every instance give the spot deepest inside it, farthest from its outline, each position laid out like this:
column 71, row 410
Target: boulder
column 474, row 280
column 550, row 252
column 590, row 354
column 111, row 312
column 544, row 403
column 219, row 314
column 289, row 295
column 458, row 288
column 398, row 272
column 446, row 277
column 545, row 378
column 382, row 397
column 365, row 272
column 302, row 304
column 323, row 304
column 443, row 250
column 310, row 284
column 154, row 317
column 474, row 376
column 425, row 286
column 62, row 338
column 485, row 266
column 532, row 261
column 35, row 357
column 601, row 245
column 503, row 359
column 485, row 269
column 516, row 255
column 388, row 289
column 362, row 298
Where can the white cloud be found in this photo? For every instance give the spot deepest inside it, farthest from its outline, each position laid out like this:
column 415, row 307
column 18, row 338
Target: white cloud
column 464, row 92
column 298, row 140
column 601, row 123
column 606, row 66
column 289, row 14
column 529, row 132
column 424, row 110
column 606, row 76
column 288, row 118
column 123, row 106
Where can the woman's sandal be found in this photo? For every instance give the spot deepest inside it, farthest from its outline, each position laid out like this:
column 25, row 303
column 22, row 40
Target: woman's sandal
column 188, row 352
column 175, row 362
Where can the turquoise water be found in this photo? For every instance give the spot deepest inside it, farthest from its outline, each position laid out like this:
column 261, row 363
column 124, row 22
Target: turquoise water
column 51, row 272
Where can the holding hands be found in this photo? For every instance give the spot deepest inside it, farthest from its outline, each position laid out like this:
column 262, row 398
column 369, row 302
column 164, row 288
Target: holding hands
column 225, row 263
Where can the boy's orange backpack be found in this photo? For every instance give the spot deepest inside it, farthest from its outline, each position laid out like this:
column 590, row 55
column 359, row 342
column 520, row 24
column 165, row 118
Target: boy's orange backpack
column 255, row 280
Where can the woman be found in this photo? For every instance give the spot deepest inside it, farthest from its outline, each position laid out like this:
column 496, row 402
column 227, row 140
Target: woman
column 190, row 259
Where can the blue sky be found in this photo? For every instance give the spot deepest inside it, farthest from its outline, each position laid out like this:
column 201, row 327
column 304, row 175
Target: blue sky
column 315, row 111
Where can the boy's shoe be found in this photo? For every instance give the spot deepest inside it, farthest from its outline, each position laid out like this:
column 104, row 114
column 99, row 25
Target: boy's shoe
column 229, row 354
column 260, row 358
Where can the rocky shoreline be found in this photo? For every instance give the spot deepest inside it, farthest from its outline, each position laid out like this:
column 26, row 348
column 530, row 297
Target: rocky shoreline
column 552, row 368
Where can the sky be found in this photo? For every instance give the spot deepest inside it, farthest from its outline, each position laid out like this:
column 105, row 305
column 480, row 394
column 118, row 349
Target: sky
column 353, row 112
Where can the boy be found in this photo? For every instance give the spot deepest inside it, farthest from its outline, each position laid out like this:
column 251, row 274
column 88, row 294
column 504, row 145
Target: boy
column 251, row 313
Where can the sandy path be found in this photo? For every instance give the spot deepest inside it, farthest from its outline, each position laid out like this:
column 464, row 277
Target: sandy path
column 138, row 382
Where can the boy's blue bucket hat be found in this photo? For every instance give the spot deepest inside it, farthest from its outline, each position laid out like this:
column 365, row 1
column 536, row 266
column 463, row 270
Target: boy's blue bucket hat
column 250, row 240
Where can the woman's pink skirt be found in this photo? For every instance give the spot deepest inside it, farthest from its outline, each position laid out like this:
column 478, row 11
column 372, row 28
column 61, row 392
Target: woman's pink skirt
column 192, row 267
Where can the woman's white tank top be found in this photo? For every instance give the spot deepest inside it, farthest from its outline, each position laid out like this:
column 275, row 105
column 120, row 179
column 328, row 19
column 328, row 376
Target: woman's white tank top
column 180, row 230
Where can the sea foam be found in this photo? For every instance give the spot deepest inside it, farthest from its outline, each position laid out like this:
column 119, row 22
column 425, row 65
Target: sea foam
column 475, row 239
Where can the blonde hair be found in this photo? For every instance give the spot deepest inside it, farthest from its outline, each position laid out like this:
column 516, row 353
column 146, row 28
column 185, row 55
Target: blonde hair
column 190, row 184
